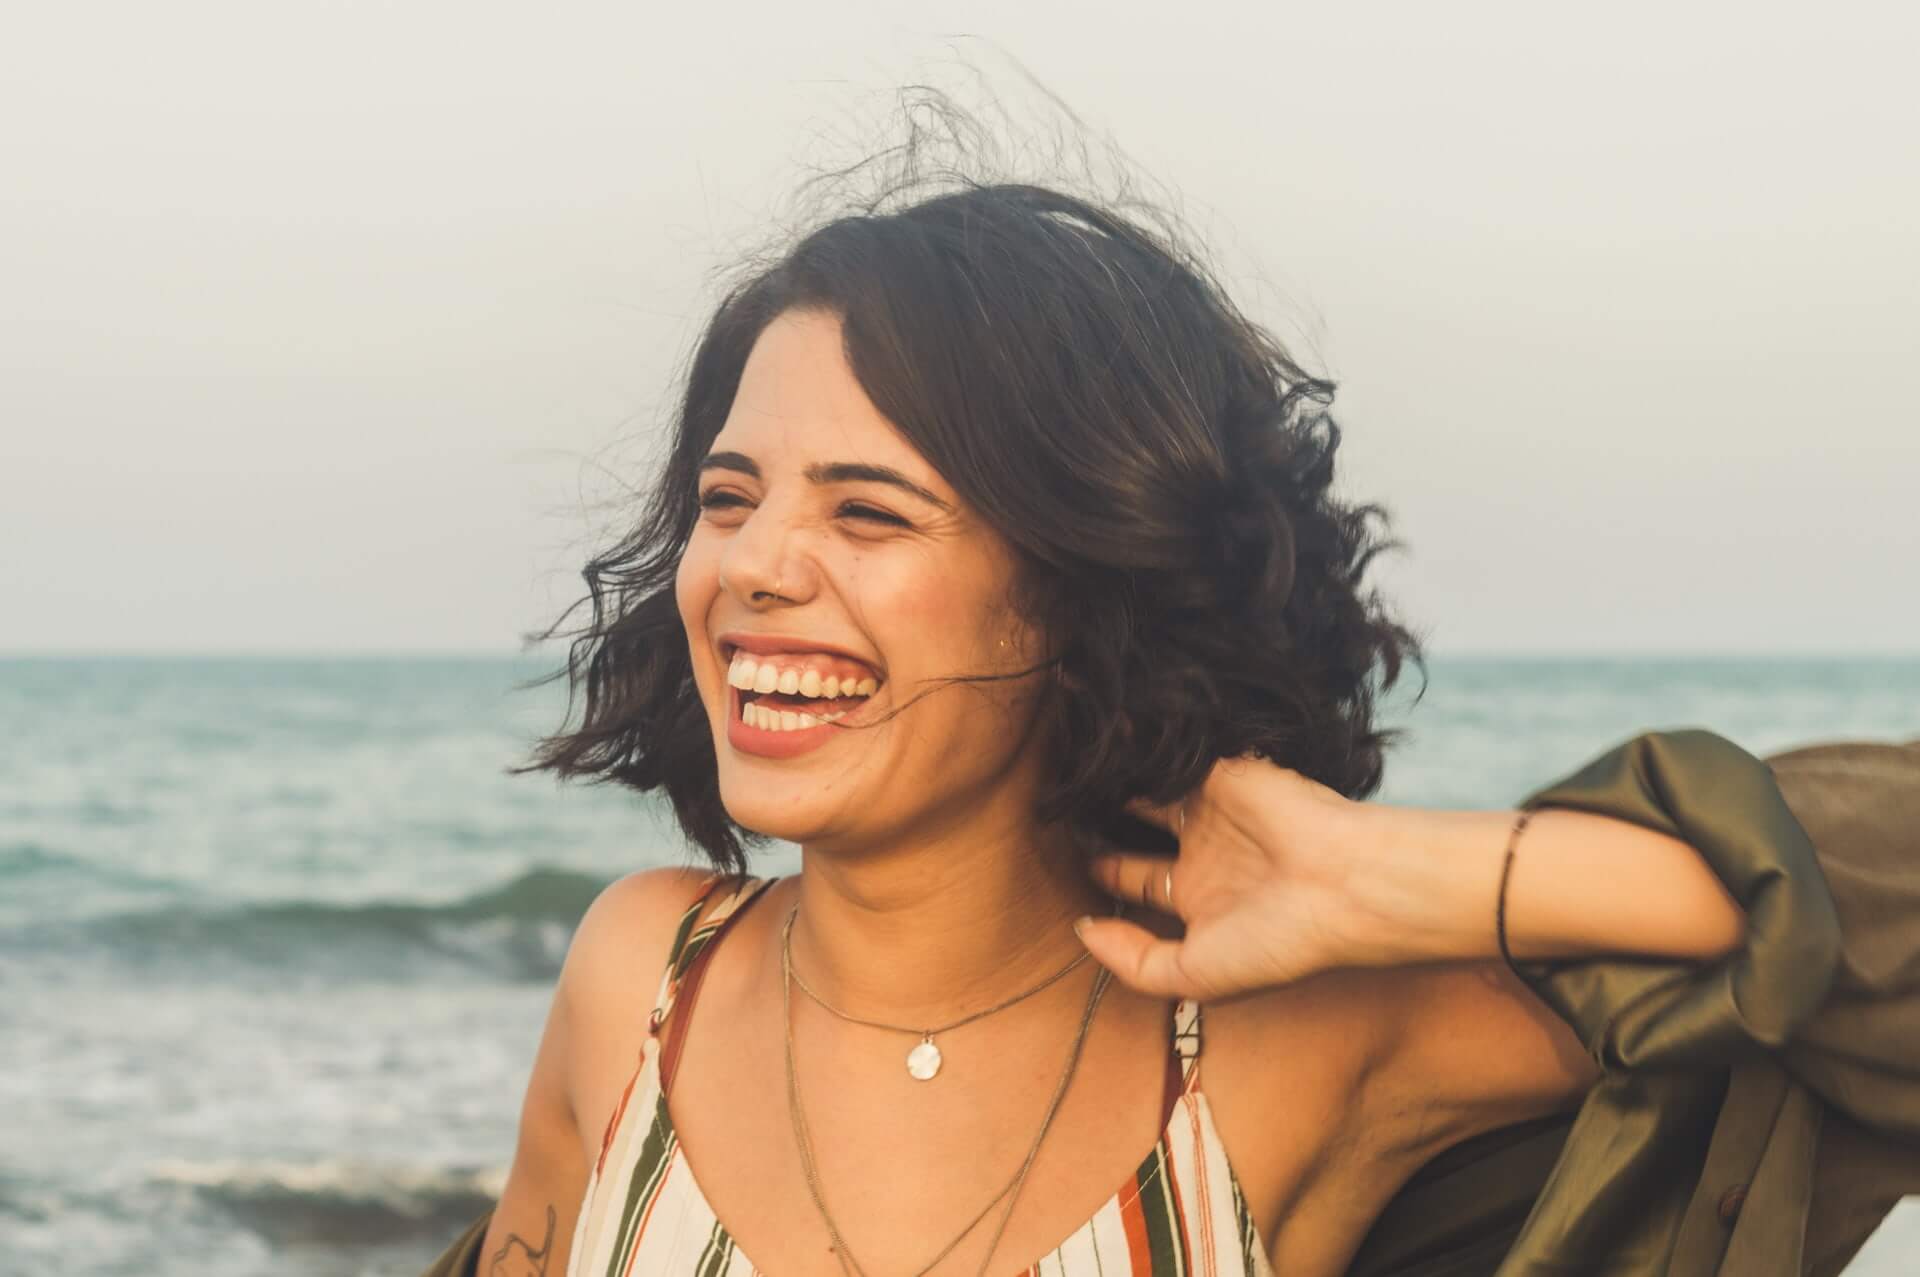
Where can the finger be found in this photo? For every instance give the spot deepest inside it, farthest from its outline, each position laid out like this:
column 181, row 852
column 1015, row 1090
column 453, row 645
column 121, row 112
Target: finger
column 1138, row 958
column 1168, row 816
column 1135, row 879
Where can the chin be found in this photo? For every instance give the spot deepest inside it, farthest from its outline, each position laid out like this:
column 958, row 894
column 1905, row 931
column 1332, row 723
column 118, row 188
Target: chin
column 764, row 808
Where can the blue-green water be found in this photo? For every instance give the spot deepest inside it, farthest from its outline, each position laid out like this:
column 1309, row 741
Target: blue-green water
column 276, row 936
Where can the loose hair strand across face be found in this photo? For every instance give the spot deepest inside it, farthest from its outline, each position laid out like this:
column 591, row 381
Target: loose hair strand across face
column 1161, row 467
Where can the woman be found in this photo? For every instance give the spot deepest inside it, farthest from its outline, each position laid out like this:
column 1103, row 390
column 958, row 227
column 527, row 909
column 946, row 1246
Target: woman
column 996, row 554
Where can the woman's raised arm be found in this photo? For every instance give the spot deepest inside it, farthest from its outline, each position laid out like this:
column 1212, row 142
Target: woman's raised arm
column 1279, row 878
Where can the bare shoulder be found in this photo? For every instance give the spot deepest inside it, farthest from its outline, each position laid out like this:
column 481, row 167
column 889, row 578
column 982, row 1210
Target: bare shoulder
column 1337, row 1018
column 628, row 929
column 1411, row 1058
column 615, row 961
column 1310, row 1050
column 1467, row 1047
column 1372, row 1073
column 584, row 1058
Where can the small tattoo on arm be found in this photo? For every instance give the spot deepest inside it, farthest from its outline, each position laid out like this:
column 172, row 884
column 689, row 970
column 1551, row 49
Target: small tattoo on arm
column 518, row 1259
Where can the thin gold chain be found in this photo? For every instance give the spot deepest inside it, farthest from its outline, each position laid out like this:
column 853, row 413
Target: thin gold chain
column 802, row 1137
column 1061, row 974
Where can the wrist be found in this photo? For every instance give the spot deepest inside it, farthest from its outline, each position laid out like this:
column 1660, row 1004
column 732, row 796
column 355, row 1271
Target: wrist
column 1582, row 885
column 1428, row 890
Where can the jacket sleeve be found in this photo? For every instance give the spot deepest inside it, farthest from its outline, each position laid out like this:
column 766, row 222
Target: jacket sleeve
column 1821, row 847
column 462, row 1258
column 1860, row 1050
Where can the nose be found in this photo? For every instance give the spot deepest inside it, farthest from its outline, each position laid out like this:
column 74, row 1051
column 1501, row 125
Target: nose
column 758, row 565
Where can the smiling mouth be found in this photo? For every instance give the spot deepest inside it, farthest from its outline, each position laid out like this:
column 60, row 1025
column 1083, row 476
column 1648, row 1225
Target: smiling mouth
column 793, row 691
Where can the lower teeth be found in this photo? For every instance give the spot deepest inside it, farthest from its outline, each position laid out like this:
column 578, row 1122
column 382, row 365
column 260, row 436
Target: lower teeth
column 783, row 720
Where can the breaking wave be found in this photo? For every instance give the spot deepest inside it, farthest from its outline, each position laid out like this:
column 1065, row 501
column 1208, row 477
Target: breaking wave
column 519, row 931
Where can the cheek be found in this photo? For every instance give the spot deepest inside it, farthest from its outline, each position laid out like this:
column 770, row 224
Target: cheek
column 959, row 622
column 695, row 584
column 929, row 614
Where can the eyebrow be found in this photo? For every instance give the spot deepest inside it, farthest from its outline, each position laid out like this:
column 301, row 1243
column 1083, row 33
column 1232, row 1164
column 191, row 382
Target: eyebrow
column 829, row 472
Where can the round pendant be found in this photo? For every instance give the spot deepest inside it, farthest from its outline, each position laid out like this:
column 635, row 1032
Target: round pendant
column 924, row 1060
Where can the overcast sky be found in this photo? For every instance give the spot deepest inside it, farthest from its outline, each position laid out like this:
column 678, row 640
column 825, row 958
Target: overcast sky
column 324, row 324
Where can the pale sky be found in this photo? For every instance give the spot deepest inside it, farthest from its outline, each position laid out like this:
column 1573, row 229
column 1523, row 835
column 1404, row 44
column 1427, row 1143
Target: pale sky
column 322, row 322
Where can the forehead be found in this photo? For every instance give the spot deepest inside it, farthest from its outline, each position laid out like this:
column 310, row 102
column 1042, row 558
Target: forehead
column 799, row 402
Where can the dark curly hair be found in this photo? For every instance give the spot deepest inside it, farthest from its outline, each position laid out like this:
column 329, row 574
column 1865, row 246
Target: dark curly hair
column 1161, row 467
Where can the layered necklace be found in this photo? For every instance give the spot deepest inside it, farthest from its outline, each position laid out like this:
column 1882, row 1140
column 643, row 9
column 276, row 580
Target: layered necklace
column 923, row 1062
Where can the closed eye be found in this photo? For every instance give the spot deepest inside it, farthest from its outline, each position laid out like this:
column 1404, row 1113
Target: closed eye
column 854, row 511
column 721, row 499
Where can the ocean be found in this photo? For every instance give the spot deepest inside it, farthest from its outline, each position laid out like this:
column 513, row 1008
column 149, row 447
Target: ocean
column 277, row 935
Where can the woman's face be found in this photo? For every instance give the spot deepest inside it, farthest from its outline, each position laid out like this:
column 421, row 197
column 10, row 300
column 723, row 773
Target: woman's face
column 834, row 577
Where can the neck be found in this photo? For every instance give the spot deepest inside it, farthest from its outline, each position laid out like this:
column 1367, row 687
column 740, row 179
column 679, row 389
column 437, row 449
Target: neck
column 932, row 932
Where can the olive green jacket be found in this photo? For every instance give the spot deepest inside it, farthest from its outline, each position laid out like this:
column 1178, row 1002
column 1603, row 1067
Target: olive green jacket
column 1757, row 1116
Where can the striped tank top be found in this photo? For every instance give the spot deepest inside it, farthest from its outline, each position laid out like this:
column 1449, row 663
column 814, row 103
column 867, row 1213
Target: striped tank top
column 1180, row 1213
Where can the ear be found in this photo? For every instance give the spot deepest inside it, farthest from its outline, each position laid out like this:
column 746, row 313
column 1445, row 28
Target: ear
column 1021, row 644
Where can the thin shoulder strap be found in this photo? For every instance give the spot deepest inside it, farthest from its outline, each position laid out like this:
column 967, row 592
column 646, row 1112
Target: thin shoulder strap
column 686, row 972
column 1183, row 1059
column 1186, row 1041
column 691, row 937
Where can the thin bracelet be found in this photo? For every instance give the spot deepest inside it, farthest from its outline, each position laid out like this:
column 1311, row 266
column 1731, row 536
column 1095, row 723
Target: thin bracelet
column 1500, row 904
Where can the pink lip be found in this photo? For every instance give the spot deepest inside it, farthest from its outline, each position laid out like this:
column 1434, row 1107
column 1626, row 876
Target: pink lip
column 749, row 739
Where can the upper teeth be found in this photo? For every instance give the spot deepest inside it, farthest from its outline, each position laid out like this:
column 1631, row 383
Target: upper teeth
column 756, row 676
